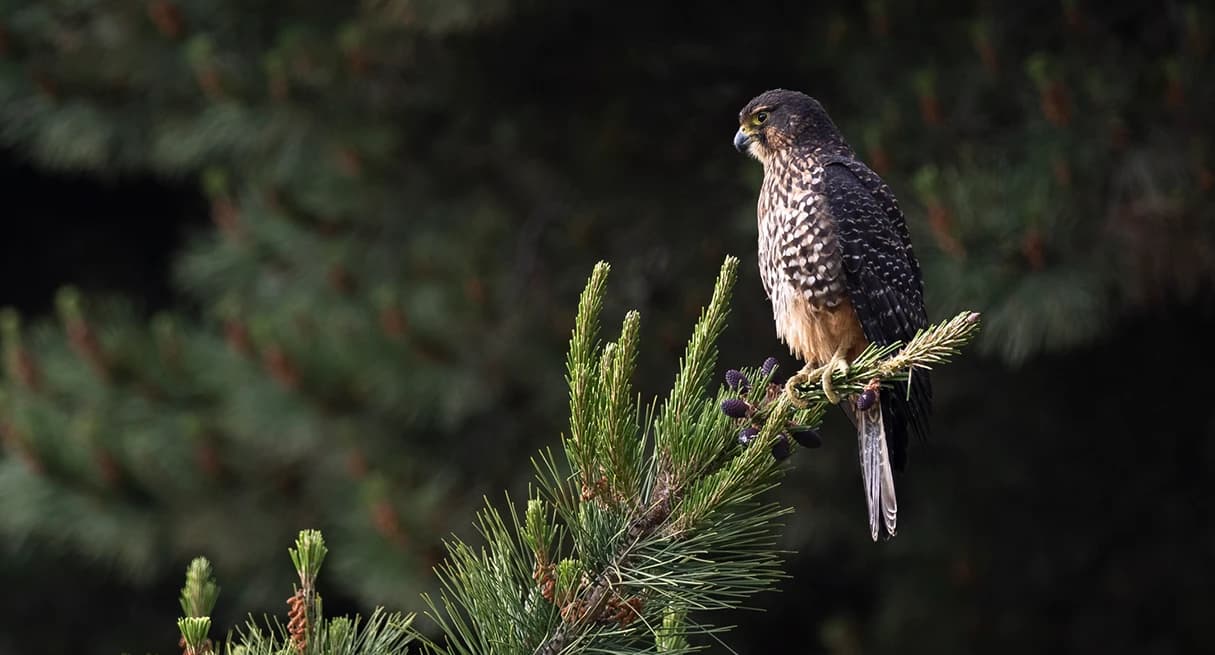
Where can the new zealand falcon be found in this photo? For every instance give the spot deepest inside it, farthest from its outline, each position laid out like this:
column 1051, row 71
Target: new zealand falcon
column 836, row 262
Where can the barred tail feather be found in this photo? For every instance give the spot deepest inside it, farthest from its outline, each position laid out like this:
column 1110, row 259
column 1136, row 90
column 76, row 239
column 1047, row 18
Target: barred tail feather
column 876, row 473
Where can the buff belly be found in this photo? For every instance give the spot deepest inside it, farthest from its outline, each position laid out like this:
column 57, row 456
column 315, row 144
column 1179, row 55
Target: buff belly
column 814, row 334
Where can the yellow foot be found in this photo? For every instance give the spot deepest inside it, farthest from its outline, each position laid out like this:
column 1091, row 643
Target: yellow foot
column 823, row 373
column 796, row 380
column 836, row 363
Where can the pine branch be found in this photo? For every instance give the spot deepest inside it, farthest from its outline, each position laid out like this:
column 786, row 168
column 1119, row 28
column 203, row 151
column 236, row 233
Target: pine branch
column 612, row 555
column 932, row 346
column 197, row 600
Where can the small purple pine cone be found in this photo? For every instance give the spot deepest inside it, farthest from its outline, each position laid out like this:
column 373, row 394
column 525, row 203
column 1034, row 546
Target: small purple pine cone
column 747, row 435
column 734, row 407
column 769, row 366
column 808, row 438
column 780, row 447
column 736, row 380
column 866, row 399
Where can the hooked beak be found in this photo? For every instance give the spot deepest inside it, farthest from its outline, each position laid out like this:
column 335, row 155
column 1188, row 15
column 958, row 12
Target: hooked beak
column 742, row 141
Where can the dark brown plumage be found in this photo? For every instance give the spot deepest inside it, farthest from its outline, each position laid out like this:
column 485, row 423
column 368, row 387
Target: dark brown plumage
column 837, row 264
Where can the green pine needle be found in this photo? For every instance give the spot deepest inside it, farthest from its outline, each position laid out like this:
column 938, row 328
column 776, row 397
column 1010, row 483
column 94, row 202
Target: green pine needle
column 308, row 555
column 194, row 631
column 580, row 370
column 539, row 531
column 381, row 633
column 621, row 447
column 199, row 594
column 670, row 637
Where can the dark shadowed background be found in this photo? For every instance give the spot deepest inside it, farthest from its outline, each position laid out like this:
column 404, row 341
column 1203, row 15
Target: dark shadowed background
column 315, row 264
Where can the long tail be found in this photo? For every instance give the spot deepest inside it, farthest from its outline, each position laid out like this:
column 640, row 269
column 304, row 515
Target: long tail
column 875, row 471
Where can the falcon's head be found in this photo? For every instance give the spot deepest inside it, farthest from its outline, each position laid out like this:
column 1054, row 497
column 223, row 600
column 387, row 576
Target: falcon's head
column 778, row 119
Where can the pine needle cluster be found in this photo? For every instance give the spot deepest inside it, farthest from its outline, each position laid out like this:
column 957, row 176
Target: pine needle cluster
column 645, row 521
column 307, row 632
column 655, row 515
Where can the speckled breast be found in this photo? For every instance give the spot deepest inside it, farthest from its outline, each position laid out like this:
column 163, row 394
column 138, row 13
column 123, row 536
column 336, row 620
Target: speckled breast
column 799, row 249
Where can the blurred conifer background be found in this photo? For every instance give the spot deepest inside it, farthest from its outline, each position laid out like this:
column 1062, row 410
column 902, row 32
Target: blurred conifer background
column 313, row 264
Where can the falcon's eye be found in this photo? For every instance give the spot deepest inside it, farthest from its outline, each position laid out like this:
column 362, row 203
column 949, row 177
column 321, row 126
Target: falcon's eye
column 761, row 117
